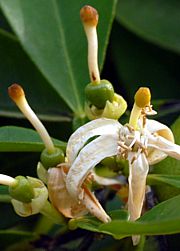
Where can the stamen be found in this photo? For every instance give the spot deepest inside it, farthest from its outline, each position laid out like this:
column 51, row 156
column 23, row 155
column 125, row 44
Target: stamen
column 7, row 180
column 89, row 17
column 142, row 99
column 16, row 93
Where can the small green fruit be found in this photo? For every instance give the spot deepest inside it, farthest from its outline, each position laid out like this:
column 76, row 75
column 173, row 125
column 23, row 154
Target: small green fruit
column 52, row 159
column 98, row 93
column 22, row 191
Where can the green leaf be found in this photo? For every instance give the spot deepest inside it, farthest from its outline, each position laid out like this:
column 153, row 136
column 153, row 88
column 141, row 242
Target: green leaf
column 16, row 139
column 169, row 166
column 52, row 35
column 4, row 194
column 8, row 237
column 159, row 179
column 155, row 20
column 162, row 219
column 165, row 212
column 139, row 63
column 92, row 224
column 37, row 89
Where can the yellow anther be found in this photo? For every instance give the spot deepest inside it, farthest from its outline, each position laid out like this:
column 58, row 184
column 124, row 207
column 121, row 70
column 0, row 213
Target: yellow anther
column 142, row 97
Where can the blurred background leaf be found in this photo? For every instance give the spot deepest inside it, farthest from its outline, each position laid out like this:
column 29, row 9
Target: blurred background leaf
column 17, row 139
column 46, row 30
column 155, row 20
column 16, row 67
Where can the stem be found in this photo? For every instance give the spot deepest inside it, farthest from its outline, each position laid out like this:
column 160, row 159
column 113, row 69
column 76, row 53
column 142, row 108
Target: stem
column 5, row 198
column 52, row 213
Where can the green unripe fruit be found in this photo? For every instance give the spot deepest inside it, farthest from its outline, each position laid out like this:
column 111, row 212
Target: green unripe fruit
column 52, row 159
column 98, row 93
column 22, row 191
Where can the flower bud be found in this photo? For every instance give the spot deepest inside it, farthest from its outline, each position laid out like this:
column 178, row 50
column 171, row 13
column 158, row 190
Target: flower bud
column 22, row 191
column 98, row 94
column 52, row 159
column 38, row 201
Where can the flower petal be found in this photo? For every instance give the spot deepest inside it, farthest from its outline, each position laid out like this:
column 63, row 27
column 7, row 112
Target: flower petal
column 59, row 195
column 98, row 149
column 138, row 171
column 162, row 130
column 165, row 146
column 154, row 127
column 93, row 206
column 106, row 181
column 96, row 127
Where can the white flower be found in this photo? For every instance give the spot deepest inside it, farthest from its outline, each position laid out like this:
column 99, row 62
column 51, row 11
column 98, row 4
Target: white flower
column 142, row 142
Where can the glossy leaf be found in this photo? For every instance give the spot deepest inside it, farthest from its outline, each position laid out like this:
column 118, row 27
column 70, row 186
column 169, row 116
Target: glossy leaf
column 92, row 224
column 162, row 219
column 37, row 89
column 159, row 179
column 21, row 139
column 138, row 63
column 155, row 20
column 52, row 35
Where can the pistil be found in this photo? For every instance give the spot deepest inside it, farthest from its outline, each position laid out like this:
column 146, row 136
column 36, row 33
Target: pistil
column 142, row 100
column 89, row 17
column 17, row 94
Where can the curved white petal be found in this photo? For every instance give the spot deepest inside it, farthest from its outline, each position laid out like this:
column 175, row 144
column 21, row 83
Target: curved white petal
column 106, row 181
column 165, row 146
column 138, row 171
column 155, row 156
column 154, row 126
column 98, row 149
column 96, row 127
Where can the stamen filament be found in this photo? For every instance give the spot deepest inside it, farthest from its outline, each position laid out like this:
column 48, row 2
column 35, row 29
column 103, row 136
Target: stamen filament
column 89, row 17
column 7, row 180
column 17, row 95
